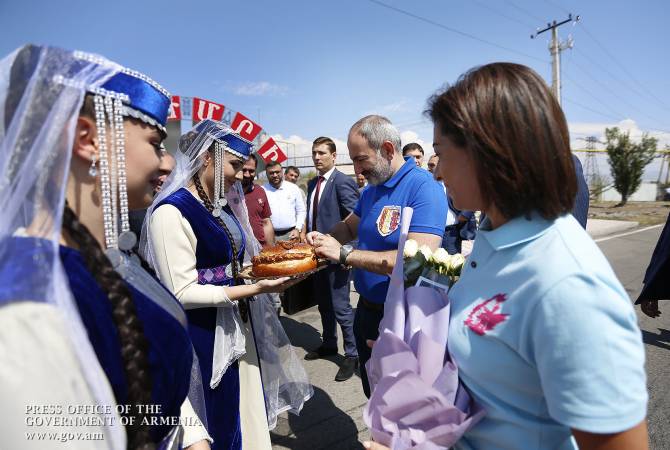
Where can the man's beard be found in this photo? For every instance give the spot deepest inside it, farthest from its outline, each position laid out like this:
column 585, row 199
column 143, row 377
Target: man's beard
column 247, row 182
column 381, row 172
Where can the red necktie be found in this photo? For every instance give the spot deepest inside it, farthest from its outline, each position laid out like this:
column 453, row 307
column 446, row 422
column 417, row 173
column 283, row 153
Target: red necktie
column 315, row 202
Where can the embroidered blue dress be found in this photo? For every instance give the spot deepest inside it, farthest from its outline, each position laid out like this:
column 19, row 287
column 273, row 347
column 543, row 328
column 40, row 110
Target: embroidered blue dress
column 170, row 355
column 213, row 253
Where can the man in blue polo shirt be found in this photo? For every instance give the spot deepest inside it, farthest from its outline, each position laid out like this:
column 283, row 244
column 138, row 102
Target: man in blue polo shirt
column 374, row 148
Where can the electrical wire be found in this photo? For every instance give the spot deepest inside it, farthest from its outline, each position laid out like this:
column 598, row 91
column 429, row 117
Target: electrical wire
column 501, row 14
column 454, row 30
column 623, row 67
column 525, row 11
column 612, row 91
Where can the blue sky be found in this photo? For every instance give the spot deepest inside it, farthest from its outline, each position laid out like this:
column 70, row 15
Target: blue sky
column 310, row 68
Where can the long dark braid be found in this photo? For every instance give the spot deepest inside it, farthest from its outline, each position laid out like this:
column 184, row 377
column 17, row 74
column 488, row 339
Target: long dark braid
column 134, row 347
column 210, row 207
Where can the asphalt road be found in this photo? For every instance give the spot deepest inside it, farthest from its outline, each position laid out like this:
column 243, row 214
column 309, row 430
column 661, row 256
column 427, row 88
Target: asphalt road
column 629, row 256
column 332, row 419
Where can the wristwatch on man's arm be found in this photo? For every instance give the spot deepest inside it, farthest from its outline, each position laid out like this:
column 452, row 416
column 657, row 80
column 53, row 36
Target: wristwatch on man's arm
column 345, row 250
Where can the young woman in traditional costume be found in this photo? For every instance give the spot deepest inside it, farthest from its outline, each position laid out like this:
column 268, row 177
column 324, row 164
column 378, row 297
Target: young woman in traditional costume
column 86, row 331
column 197, row 235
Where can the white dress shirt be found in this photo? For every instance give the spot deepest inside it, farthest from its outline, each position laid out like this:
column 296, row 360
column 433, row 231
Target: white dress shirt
column 451, row 217
column 287, row 205
column 326, row 176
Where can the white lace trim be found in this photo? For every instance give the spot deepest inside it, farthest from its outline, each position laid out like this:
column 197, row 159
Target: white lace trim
column 132, row 112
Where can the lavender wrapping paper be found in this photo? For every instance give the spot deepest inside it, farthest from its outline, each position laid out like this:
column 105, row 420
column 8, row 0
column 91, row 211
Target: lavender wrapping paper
column 417, row 401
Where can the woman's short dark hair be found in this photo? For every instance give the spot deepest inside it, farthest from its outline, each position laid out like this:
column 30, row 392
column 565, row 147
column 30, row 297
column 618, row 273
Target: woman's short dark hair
column 507, row 119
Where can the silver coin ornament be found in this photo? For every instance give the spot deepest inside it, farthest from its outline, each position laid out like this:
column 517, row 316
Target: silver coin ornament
column 127, row 241
column 216, row 212
column 115, row 257
column 229, row 270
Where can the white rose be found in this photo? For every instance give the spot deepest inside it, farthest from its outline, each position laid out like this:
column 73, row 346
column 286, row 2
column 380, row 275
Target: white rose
column 426, row 251
column 411, row 247
column 456, row 262
column 441, row 257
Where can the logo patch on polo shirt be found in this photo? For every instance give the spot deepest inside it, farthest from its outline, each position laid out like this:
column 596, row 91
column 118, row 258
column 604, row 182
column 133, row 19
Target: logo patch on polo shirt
column 388, row 220
column 485, row 316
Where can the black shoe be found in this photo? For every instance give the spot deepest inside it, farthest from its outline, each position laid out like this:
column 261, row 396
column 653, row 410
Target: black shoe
column 347, row 368
column 320, row 352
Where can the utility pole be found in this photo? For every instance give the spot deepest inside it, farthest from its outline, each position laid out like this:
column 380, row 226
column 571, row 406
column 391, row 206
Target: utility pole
column 555, row 48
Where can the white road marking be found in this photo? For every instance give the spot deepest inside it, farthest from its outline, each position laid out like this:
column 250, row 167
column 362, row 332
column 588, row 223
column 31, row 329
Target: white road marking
column 629, row 233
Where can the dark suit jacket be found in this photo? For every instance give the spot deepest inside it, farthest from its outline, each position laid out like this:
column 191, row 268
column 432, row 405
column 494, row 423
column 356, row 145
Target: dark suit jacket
column 339, row 198
column 657, row 277
column 581, row 208
column 467, row 230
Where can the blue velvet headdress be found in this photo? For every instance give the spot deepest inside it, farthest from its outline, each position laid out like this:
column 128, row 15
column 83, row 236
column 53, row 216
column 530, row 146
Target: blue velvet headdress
column 143, row 98
column 235, row 144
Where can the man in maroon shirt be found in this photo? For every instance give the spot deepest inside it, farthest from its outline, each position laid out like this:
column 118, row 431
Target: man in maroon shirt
column 257, row 204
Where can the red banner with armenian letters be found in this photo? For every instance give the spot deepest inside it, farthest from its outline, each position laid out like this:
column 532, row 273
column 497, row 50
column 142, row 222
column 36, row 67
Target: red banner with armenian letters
column 270, row 151
column 204, row 109
column 245, row 127
column 175, row 108
column 197, row 109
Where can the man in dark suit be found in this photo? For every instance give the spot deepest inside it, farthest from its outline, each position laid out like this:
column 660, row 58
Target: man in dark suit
column 581, row 208
column 656, row 279
column 332, row 196
column 464, row 227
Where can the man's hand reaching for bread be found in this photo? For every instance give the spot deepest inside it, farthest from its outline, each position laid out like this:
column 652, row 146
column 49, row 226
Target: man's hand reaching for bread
column 325, row 245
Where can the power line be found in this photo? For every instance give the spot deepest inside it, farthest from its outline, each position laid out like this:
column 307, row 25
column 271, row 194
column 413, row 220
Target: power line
column 501, row 14
column 613, row 92
column 556, row 5
column 454, row 30
column 624, row 68
column 590, row 94
column 525, row 11
column 650, row 130
column 603, row 68
column 591, row 109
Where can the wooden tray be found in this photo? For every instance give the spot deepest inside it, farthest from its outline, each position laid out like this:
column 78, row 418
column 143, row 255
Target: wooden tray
column 246, row 274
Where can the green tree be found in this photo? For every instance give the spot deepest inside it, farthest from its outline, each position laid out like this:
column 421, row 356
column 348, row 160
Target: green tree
column 628, row 159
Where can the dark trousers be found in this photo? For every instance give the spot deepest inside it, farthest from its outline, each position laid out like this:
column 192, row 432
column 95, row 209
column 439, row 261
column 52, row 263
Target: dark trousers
column 366, row 326
column 331, row 289
column 452, row 240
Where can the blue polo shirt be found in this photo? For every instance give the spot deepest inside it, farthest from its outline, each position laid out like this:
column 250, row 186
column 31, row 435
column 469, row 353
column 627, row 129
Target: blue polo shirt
column 545, row 338
column 379, row 211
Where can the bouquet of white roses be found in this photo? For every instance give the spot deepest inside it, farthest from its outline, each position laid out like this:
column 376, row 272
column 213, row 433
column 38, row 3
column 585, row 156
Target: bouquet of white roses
column 417, row 401
column 421, row 263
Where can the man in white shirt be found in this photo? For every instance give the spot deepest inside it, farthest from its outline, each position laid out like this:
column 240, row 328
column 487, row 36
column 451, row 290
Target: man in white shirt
column 292, row 174
column 287, row 204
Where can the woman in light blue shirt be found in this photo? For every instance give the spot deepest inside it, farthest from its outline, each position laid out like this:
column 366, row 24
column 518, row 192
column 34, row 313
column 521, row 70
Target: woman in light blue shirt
column 543, row 333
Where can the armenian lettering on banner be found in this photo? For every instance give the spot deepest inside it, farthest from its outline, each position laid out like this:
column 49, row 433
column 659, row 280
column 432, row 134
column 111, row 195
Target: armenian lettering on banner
column 187, row 108
column 270, row 151
column 245, row 127
column 175, row 109
column 204, row 109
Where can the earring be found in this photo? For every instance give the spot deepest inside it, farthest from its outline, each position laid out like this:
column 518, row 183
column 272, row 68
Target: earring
column 93, row 171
